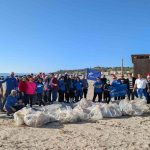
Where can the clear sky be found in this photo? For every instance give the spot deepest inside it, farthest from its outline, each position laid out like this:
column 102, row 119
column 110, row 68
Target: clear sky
column 49, row 35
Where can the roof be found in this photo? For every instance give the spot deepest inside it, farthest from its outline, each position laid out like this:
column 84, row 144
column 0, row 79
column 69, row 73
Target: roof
column 140, row 56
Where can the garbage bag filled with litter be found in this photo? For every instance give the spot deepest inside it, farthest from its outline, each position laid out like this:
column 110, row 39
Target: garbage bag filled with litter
column 19, row 115
column 135, row 107
column 36, row 119
column 82, row 111
column 110, row 110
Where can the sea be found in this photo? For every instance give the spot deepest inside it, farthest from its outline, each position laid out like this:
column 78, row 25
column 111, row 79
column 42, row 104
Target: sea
column 5, row 75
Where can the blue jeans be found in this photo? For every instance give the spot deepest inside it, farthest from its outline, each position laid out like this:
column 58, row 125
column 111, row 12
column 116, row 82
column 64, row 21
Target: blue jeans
column 141, row 93
column 54, row 95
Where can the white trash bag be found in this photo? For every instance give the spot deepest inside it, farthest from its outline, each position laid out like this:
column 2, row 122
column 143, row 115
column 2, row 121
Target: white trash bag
column 110, row 110
column 95, row 113
column 36, row 119
column 67, row 115
column 135, row 107
column 81, row 114
column 84, row 103
column 19, row 115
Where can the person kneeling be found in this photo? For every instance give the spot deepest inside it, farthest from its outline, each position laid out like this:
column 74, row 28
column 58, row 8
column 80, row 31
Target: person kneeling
column 12, row 103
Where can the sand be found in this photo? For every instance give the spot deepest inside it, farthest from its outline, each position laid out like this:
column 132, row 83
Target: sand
column 127, row 133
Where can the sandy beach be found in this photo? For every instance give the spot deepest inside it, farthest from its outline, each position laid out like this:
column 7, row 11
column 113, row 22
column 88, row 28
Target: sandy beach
column 109, row 134
column 127, row 133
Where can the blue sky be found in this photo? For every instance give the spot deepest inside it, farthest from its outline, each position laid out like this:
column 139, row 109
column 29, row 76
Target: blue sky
column 49, row 35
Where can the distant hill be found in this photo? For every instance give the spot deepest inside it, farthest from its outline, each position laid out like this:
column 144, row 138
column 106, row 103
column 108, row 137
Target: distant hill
column 101, row 69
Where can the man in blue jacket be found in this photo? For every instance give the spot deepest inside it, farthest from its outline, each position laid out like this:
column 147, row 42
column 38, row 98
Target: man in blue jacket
column 11, row 84
column 98, row 90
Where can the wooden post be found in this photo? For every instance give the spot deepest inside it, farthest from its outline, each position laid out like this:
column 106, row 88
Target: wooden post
column 122, row 65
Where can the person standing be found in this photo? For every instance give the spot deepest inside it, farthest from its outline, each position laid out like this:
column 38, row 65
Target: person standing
column 1, row 96
column 106, row 89
column 11, row 84
column 148, row 90
column 122, row 80
column 39, row 91
column 104, row 80
column 115, row 83
column 66, row 81
column 62, row 89
column 45, row 90
column 30, row 90
column 98, row 90
column 54, row 87
column 130, row 86
column 140, row 86
column 85, row 86
column 78, row 90
column 22, row 89
column 71, row 89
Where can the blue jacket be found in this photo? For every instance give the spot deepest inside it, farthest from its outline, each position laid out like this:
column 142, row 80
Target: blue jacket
column 10, row 102
column 98, row 87
column 40, row 87
column 11, row 83
column 62, row 85
column 78, row 86
column 115, row 83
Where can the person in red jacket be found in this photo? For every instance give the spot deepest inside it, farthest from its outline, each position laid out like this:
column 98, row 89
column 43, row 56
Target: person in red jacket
column 30, row 90
column 22, row 89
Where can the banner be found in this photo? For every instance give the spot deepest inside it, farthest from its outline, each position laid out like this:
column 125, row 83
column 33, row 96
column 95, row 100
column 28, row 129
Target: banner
column 118, row 90
column 93, row 74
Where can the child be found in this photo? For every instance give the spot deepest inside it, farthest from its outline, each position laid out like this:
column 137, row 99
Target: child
column 98, row 90
column 39, row 91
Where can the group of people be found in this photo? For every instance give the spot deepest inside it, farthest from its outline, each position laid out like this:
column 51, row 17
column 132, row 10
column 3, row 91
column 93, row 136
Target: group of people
column 44, row 89
column 134, row 87
column 41, row 89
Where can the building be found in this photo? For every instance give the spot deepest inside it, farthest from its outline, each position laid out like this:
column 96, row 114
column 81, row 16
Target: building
column 141, row 64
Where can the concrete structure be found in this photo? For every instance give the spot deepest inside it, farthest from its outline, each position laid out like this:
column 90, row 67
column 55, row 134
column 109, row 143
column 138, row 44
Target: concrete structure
column 141, row 64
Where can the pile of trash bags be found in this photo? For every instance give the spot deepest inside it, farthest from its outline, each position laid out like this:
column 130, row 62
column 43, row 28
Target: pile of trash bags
column 84, row 110
column 136, row 107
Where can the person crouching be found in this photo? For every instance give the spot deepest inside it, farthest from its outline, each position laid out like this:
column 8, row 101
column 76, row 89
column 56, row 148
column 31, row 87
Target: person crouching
column 12, row 103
